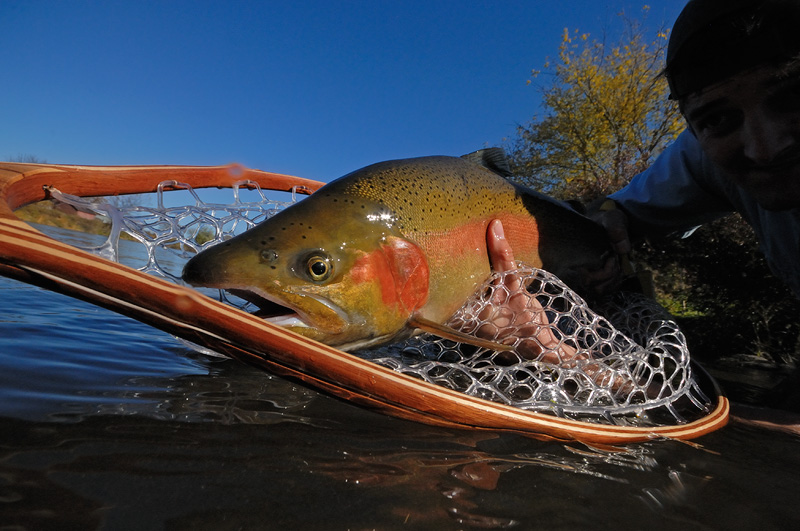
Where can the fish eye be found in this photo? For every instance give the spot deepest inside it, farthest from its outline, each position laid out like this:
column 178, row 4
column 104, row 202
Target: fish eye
column 318, row 267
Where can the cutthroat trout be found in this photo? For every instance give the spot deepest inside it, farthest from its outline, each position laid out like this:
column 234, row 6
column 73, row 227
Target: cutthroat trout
column 395, row 246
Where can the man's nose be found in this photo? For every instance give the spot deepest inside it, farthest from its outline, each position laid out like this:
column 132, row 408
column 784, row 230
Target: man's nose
column 764, row 137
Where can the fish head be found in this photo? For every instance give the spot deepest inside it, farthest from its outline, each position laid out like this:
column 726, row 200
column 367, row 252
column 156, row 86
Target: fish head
column 337, row 268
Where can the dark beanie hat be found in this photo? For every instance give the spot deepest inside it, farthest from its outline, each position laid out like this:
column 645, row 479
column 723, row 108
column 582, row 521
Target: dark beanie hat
column 714, row 39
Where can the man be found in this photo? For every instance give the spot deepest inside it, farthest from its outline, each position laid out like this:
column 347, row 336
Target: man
column 734, row 68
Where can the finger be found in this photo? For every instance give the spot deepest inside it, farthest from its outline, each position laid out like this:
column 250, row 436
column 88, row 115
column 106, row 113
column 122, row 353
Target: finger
column 501, row 256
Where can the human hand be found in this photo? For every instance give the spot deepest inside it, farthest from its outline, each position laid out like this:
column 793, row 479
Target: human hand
column 616, row 224
column 514, row 314
column 607, row 279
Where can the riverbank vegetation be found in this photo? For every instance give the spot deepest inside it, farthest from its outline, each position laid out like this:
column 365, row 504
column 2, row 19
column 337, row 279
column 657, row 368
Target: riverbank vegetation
column 46, row 213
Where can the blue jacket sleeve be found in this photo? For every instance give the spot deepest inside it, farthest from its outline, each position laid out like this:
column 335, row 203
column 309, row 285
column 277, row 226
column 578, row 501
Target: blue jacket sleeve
column 680, row 191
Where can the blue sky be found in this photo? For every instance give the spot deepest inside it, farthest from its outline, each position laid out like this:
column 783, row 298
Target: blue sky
column 315, row 89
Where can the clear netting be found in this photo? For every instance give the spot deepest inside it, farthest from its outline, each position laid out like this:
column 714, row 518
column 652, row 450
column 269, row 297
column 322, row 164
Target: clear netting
column 626, row 363
column 631, row 367
column 181, row 231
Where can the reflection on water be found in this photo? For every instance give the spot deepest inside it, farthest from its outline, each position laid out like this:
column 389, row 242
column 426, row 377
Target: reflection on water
column 108, row 423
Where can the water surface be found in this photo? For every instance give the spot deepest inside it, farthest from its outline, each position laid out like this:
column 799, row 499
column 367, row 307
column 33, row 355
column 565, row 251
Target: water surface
column 108, row 423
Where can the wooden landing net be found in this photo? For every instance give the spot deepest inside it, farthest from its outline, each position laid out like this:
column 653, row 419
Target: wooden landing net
column 28, row 255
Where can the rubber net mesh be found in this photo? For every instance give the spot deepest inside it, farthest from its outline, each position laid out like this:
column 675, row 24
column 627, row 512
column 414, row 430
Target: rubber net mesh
column 623, row 362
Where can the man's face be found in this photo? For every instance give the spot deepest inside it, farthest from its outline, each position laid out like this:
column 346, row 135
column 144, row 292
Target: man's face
column 749, row 125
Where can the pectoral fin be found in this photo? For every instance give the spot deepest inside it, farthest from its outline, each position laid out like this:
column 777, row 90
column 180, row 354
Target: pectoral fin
column 454, row 335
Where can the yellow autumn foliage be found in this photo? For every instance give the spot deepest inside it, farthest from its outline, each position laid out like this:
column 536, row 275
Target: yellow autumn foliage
column 606, row 115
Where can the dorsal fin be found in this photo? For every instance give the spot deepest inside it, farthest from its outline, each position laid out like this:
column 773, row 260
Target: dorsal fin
column 459, row 337
column 493, row 159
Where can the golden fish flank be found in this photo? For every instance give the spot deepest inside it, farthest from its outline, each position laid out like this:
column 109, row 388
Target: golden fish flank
column 391, row 246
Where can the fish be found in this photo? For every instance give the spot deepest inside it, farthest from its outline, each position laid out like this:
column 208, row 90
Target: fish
column 395, row 248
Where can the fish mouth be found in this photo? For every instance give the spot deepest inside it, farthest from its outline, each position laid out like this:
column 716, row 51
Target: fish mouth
column 277, row 312
column 265, row 307
column 268, row 309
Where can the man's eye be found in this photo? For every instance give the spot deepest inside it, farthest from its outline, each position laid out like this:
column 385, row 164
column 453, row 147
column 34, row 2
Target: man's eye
column 787, row 98
column 718, row 123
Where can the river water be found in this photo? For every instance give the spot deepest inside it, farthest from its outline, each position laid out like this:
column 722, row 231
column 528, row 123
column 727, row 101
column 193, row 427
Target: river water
column 106, row 423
